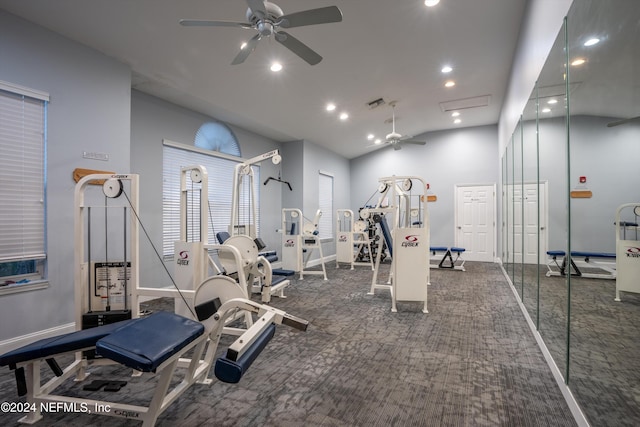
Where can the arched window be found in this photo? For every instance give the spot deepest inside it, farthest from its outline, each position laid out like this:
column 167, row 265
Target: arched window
column 217, row 137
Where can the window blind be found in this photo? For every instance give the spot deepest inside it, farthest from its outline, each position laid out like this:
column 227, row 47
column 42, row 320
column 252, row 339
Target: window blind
column 325, row 204
column 221, row 171
column 22, row 173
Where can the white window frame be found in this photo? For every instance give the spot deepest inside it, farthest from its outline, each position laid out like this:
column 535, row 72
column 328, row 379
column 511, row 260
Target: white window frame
column 220, row 168
column 325, row 204
column 23, row 138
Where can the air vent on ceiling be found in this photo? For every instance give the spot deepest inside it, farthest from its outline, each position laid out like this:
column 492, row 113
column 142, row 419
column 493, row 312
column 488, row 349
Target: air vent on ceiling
column 375, row 103
column 465, row 103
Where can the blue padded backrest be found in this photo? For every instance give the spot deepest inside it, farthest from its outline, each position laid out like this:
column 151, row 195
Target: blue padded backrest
column 222, row 236
column 387, row 234
column 145, row 344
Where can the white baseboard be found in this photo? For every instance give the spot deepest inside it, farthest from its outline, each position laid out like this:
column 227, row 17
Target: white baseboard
column 577, row 413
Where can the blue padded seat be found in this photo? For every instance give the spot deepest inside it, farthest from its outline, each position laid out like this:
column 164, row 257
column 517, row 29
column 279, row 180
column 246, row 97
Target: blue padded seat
column 230, row 371
column 147, row 343
column 438, row 248
column 281, row 272
column 72, row 341
column 593, row 254
column 556, row 253
column 458, row 250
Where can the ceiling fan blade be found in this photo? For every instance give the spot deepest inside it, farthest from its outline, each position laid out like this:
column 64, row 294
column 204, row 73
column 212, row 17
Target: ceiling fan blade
column 322, row 15
column 247, row 49
column 396, row 146
column 297, row 47
column 257, row 7
column 621, row 122
column 413, row 141
column 205, row 23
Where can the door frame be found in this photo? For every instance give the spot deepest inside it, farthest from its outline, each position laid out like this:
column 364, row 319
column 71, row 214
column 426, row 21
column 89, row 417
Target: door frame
column 456, row 187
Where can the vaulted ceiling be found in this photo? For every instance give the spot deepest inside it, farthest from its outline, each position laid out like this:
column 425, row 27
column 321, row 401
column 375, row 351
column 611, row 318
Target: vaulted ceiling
column 393, row 50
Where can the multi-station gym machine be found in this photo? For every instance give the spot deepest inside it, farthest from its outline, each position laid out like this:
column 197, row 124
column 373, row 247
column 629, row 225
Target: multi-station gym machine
column 353, row 245
column 299, row 239
column 402, row 217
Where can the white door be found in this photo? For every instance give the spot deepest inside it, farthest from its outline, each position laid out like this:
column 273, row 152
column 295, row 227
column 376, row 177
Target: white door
column 525, row 211
column 475, row 221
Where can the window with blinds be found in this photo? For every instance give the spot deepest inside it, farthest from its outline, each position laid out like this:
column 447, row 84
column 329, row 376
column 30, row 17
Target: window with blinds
column 23, row 120
column 325, row 204
column 220, row 169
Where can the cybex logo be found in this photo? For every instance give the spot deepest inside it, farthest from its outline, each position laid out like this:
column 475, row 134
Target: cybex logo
column 410, row 241
column 184, row 258
column 342, row 238
column 289, row 243
column 633, row 252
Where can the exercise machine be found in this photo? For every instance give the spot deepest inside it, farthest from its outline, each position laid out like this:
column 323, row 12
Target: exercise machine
column 352, row 245
column 443, row 257
column 299, row 239
column 404, row 205
column 627, row 251
column 588, row 264
column 178, row 350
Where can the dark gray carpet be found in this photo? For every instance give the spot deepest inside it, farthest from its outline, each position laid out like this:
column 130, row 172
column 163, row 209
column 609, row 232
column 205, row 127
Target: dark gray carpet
column 604, row 345
column 471, row 361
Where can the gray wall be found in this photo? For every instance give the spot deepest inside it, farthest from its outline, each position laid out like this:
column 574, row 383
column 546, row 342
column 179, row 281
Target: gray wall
column 461, row 156
column 153, row 120
column 89, row 110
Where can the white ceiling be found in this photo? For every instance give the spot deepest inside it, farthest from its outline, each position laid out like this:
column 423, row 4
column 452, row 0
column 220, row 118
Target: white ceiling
column 382, row 49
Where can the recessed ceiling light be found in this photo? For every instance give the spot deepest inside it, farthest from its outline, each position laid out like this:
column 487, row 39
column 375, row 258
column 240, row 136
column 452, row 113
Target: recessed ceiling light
column 331, row 107
column 370, row 136
column 552, row 101
column 446, row 69
column 276, row 66
column 592, row 41
column 450, row 83
column 377, row 141
column 455, row 114
column 344, row 116
column 546, row 110
column 578, row 61
column 431, row 3
column 456, row 121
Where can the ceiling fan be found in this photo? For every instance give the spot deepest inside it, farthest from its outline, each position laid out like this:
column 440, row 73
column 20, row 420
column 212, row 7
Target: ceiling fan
column 269, row 20
column 394, row 138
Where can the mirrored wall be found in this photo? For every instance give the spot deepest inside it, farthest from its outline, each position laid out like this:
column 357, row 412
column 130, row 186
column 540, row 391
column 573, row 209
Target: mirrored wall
column 571, row 176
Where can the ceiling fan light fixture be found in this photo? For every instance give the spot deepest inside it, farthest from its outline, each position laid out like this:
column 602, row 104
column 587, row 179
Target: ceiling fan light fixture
column 276, row 66
column 592, row 41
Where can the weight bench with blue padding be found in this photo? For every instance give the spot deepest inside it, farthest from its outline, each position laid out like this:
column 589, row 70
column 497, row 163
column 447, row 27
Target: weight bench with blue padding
column 587, row 262
column 73, row 341
column 230, row 369
column 447, row 260
column 146, row 344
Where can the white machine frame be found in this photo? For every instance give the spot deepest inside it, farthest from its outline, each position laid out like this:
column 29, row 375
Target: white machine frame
column 627, row 253
column 351, row 239
column 202, row 350
column 410, row 273
column 303, row 240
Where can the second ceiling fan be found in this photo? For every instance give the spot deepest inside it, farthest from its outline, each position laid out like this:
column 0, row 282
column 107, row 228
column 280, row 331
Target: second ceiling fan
column 394, row 138
column 268, row 20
